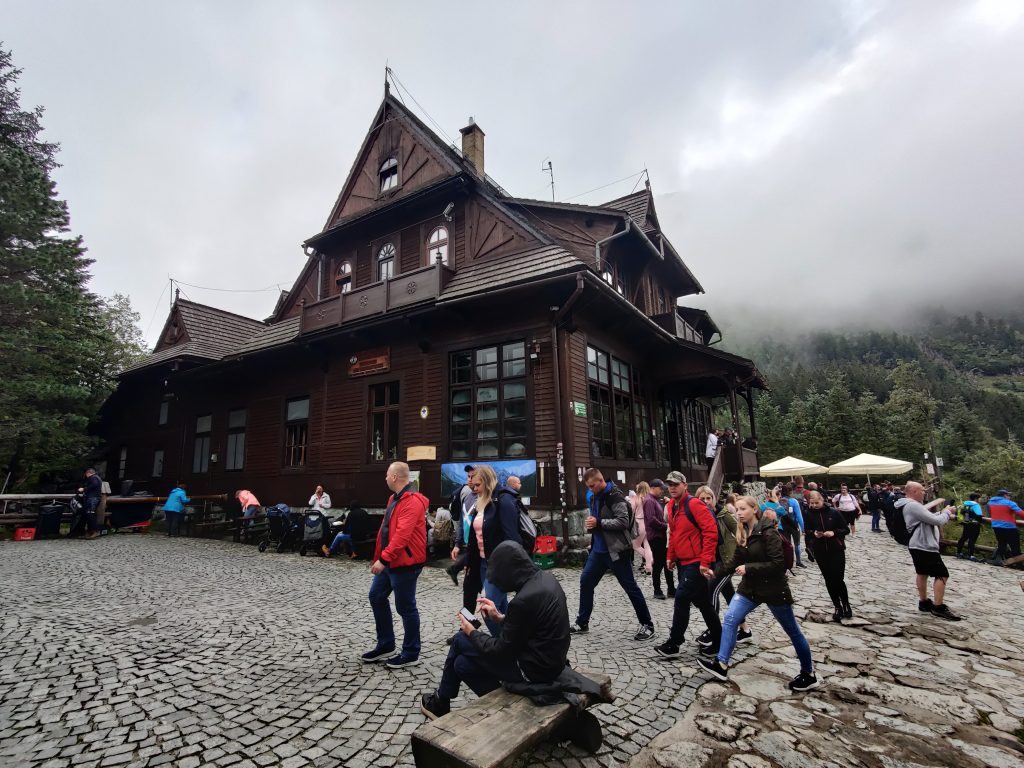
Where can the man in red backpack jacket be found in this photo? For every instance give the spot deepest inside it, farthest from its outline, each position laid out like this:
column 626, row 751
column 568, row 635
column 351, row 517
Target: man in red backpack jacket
column 397, row 561
column 693, row 539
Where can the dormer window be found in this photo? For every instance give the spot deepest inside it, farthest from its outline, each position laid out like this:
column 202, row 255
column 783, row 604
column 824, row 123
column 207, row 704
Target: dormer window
column 345, row 277
column 388, row 175
column 386, row 261
column 608, row 277
column 437, row 246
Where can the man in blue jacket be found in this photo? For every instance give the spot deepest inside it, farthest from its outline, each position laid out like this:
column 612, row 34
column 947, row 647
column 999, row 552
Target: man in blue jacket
column 1004, row 513
column 174, row 508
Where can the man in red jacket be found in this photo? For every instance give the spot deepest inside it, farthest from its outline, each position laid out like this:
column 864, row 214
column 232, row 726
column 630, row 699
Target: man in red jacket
column 397, row 561
column 693, row 539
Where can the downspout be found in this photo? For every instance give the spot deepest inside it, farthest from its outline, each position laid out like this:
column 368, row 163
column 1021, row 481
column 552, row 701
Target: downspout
column 562, row 429
column 599, row 243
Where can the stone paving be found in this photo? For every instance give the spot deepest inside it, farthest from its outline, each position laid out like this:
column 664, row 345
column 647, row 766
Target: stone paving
column 902, row 689
column 146, row 651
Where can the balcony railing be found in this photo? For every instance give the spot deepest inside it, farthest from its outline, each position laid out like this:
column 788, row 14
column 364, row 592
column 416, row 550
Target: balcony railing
column 674, row 324
column 416, row 287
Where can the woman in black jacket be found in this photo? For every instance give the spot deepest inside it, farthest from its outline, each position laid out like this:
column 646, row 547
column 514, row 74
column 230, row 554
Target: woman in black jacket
column 759, row 559
column 825, row 529
column 494, row 519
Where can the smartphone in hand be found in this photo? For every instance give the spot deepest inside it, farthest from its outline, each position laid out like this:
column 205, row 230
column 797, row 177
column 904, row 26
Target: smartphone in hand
column 469, row 617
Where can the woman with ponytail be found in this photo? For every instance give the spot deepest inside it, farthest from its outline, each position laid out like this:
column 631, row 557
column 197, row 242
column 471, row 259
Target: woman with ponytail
column 760, row 561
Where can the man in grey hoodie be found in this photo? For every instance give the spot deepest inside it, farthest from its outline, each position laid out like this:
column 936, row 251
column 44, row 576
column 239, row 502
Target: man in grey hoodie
column 925, row 528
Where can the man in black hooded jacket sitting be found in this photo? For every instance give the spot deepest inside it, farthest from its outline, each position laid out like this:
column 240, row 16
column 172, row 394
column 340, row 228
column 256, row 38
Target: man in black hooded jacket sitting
column 534, row 637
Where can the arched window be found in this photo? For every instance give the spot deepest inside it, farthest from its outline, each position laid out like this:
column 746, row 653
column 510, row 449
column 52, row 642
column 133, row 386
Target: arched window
column 345, row 276
column 386, row 261
column 437, row 246
column 388, row 174
column 608, row 277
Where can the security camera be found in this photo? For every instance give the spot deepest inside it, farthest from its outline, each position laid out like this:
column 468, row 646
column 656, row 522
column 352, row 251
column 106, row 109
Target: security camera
column 448, row 211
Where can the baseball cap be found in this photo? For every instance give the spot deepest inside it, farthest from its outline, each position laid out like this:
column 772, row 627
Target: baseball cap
column 656, row 483
column 1003, row 492
column 468, row 468
column 675, row 478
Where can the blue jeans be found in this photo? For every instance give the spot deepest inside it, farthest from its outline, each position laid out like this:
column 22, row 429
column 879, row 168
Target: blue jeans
column 876, row 515
column 250, row 511
column 737, row 614
column 494, row 594
column 89, row 508
column 693, row 588
column 599, row 563
column 338, row 541
column 403, row 584
column 482, row 674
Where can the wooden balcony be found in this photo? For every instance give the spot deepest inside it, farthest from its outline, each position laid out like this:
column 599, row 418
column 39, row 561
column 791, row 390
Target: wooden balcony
column 674, row 324
column 416, row 287
column 739, row 463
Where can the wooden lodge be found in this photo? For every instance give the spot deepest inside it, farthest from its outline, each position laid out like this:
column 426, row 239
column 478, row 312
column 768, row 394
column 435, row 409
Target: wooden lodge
column 439, row 320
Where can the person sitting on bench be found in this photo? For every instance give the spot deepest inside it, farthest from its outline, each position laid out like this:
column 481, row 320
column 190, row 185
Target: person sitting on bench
column 249, row 503
column 355, row 529
column 534, row 640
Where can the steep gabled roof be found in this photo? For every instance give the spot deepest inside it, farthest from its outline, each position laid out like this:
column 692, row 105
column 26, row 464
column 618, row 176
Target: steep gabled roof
column 639, row 206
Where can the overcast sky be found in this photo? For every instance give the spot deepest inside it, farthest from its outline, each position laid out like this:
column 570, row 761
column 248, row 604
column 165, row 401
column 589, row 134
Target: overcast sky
column 846, row 148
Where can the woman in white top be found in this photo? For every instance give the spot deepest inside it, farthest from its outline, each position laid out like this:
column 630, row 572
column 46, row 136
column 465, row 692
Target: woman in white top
column 320, row 500
column 848, row 505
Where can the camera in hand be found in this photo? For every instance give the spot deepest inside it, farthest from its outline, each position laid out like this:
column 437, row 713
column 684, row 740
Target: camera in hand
column 469, row 617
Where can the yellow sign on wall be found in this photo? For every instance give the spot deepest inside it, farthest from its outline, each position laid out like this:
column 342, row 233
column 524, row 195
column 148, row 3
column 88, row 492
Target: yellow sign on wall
column 421, row 453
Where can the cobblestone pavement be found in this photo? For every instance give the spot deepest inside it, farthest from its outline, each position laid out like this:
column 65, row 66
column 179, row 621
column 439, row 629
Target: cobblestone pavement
column 902, row 689
column 146, row 651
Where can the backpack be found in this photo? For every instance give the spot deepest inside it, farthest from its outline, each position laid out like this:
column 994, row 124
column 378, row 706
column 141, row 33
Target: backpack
column 693, row 522
column 787, row 550
column 444, row 530
column 527, row 528
column 897, row 525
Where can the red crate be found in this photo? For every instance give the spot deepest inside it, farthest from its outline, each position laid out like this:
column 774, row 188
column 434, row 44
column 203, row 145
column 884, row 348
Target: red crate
column 546, row 545
column 24, row 534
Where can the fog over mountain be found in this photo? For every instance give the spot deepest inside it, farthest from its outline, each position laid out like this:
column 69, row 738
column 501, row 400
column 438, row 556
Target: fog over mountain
column 816, row 163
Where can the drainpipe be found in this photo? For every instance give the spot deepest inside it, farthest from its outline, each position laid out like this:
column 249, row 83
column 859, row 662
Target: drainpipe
column 599, row 243
column 563, row 429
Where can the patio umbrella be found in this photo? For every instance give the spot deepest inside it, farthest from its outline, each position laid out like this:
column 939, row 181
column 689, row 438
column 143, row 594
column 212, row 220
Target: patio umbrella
column 789, row 466
column 868, row 464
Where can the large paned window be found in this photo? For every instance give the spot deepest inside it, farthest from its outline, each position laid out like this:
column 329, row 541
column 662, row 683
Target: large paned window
column 620, row 417
column 437, row 246
column 388, row 174
column 384, row 420
column 235, row 458
column 386, row 261
column 296, row 432
column 201, row 444
column 344, row 279
column 488, row 402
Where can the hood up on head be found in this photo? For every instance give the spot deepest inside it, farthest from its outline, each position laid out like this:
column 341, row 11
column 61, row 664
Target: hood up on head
column 509, row 567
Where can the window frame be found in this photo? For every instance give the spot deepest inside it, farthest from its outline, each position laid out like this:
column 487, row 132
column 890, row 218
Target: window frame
column 345, row 275
column 391, row 166
column 231, row 451
column 446, row 243
column 619, row 409
column 158, row 461
column 391, row 260
column 392, row 418
column 164, row 414
column 508, row 374
column 301, row 425
column 202, row 439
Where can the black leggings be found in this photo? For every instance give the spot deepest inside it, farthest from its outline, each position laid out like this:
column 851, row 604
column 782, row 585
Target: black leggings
column 833, row 568
column 1008, row 540
column 969, row 536
column 658, row 550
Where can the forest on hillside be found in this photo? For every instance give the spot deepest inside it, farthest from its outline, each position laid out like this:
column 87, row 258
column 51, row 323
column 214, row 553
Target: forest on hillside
column 954, row 388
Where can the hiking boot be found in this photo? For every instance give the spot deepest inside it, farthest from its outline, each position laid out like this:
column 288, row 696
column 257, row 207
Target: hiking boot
column 402, row 660
column 646, row 632
column 326, row 550
column 925, row 605
column 847, row 612
column 378, row 653
column 576, row 628
column 659, row 595
column 704, row 638
column 744, row 636
column 943, row 612
column 805, row 681
column 837, row 615
column 434, row 706
column 667, row 650
column 714, row 668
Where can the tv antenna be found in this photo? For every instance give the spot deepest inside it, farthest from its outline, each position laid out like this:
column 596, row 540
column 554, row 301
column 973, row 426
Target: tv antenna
column 551, row 170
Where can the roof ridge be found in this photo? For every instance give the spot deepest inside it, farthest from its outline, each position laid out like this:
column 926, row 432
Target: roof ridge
column 220, row 311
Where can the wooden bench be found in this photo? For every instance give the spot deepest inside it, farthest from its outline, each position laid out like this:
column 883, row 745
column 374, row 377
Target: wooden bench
column 251, row 533
column 495, row 729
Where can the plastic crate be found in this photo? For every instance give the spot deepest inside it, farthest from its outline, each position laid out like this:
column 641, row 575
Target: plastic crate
column 544, row 561
column 545, row 545
column 24, row 534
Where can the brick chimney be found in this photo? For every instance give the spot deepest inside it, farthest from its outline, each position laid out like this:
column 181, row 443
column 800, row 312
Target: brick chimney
column 473, row 145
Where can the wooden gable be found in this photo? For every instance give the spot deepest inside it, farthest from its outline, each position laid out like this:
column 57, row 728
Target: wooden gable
column 394, row 135
column 174, row 331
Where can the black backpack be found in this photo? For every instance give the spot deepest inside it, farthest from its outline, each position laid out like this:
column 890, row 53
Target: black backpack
column 897, row 525
column 693, row 522
column 527, row 528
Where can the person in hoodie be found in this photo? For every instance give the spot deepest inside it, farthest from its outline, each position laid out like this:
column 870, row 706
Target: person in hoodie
column 759, row 559
column 656, row 526
column 971, row 527
column 925, row 527
column 791, row 522
column 1004, row 513
column 611, row 548
column 693, row 540
column 174, row 508
column 398, row 559
column 826, row 530
column 533, row 644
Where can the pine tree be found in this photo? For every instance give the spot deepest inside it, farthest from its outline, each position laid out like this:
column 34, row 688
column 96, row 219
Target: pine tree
column 52, row 332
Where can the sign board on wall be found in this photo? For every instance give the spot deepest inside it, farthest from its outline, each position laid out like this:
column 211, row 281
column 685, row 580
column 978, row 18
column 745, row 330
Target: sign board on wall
column 370, row 361
column 579, row 408
column 421, row 453
column 453, row 476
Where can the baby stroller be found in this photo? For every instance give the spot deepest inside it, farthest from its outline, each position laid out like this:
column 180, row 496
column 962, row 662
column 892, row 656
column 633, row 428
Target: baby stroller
column 316, row 531
column 281, row 530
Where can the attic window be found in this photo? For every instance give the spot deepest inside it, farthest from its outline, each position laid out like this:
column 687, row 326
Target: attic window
column 345, row 277
column 388, row 174
column 608, row 277
column 437, row 246
column 386, row 261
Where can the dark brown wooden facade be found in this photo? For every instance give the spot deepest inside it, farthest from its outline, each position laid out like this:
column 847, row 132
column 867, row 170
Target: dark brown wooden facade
column 436, row 312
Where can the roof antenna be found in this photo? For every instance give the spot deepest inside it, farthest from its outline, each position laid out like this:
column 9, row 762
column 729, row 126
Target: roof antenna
column 387, row 85
column 549, row 169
